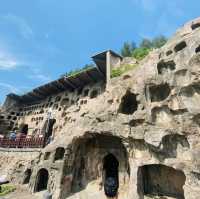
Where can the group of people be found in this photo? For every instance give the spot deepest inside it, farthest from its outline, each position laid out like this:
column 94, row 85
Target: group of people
column 14, row 135
column 19, row 135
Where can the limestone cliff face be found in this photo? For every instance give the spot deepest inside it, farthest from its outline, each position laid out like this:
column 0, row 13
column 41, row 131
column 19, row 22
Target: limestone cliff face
column 155, row 111
column 146, row 122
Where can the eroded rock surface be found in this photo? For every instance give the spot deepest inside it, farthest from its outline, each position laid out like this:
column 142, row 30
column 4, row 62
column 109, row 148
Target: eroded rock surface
column 148, row 119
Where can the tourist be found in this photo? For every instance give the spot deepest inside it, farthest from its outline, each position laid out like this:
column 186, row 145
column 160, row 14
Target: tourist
column 13, row 135
column 1, row 136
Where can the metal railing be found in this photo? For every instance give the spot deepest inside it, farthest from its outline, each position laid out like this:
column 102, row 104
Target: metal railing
column 22, row 143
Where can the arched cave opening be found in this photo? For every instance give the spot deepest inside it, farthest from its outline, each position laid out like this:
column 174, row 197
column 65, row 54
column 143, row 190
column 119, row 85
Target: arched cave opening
column 47, row 155
column 197, row 50
column 111, row 181
column 166, row 67
column 59, row 155
column 180, row 46
column 159, row 93
column 24, row 129
column 129, row 103
column 96, row 159
column 169, row 52
column 195, row 26
column 27, row 176
column 41, row 180
column 161, row 180
column 94, row 93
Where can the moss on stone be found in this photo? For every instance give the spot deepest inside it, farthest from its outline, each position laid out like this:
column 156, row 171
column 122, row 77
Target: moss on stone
column 116, row 72
column 6, row 189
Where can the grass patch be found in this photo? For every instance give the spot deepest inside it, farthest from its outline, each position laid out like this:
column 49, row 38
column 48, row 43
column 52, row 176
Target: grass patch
column 78, row 71
column 6, row 189
column 116, row 72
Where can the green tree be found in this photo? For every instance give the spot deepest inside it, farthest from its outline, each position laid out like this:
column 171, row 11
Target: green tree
column 127, row 49
column 159, row 41
column 140, row 53
column 146, row 43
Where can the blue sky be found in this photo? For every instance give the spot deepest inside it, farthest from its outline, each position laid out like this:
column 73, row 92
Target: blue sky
column 42, row 39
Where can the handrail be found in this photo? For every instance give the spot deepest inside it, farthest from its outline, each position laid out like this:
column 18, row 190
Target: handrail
column 22, row 143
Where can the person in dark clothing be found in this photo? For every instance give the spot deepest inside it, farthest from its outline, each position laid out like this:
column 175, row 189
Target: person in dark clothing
column 111, row 187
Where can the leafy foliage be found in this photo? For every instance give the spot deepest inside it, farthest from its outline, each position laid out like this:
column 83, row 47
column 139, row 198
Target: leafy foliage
column 145, row 46
column 140, row 53
column 79, row 70
column 127, row 49
column 116, row 72
column 5, row 189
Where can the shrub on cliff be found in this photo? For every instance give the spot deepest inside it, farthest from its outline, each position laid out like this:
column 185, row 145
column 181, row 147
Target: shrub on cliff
column 127, row 49
column 145, row 46
column 140, row 53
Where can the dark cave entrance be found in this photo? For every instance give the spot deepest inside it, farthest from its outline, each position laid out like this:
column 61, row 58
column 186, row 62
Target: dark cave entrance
column 111, row 165
column 42, row 180
column 50, row 125
column 111, row 181
column 128, row 104
column 24, row 129
column 161, row 180
column 59, row 155
column 47, row 130
column 27, row 176
column 98, row 157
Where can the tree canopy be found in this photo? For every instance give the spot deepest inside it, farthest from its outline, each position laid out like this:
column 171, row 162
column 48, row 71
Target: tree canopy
column 130, row 49
column 127, row 49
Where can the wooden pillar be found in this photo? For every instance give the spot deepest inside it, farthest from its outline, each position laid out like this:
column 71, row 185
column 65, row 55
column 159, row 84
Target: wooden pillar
column 108, row 67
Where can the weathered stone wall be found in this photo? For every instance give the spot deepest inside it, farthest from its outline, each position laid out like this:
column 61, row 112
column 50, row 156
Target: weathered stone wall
column 35, row 115
column 115, row 62
column 54, row 167
column 15, row 162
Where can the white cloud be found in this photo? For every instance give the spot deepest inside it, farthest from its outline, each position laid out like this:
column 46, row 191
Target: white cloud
column 7, row 61
column 10, row 88
column 24, row 28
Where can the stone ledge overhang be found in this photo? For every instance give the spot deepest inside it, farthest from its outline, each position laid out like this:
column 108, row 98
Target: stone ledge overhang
column 92, row 75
